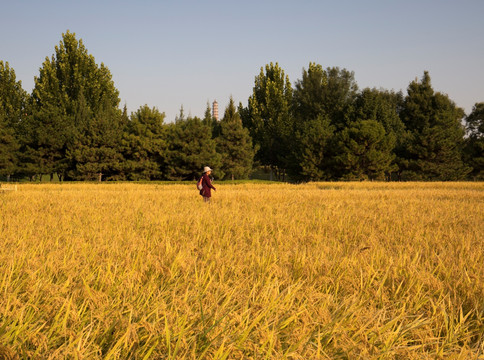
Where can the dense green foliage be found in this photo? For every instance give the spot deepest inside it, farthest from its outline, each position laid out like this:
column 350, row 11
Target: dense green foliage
column 433, row 148
column 268, row 116
column 144, row 144
column 74, row 125
column 474, row 147
column 13, row 102
column 323, row 128
column 234, row 144
column 190, row 148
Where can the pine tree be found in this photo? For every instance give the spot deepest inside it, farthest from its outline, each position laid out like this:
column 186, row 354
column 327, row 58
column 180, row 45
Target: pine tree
column 70, row 92
column 211, row 122
column 190, row 148
column 309, row 153
column 383, row 106
column 474, row 149
column 145, row 144
column 97, row 151
column 433, row 148
column 364, row 151
column 235, row 145
column 8, row 147
column 181, row 116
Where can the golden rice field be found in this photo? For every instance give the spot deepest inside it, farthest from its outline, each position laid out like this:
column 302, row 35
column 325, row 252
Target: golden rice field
column 267, row 271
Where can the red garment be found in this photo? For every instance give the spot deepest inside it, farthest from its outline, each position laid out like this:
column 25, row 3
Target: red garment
column 207, row 186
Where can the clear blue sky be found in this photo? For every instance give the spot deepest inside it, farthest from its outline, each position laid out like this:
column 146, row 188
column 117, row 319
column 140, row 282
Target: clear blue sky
column 175, row 52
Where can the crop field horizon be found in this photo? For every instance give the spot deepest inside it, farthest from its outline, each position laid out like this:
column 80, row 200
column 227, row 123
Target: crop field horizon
column 266, row 271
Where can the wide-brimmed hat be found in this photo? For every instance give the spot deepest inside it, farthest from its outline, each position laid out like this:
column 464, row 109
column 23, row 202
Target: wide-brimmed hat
column 206, row 169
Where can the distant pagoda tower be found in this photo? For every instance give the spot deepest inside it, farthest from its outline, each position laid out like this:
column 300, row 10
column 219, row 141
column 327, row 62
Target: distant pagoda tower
column 215, row 110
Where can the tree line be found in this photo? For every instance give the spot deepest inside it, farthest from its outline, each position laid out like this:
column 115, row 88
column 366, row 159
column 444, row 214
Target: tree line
column 321, row 128
column 325, row 128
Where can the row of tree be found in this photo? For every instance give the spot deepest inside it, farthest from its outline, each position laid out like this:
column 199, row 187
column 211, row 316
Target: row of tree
column 71, row 126
column 324, row 128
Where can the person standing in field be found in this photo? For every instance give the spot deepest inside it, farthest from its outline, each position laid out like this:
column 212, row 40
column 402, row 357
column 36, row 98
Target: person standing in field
column 206, row 183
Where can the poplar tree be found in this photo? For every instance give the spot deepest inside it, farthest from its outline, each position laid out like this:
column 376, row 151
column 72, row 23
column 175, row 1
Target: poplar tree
column 312, row 127
column 322, row 104
column 268, row 116
column 309, row 100
column 234, row 144
column 338, row 95
column 329, row 92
